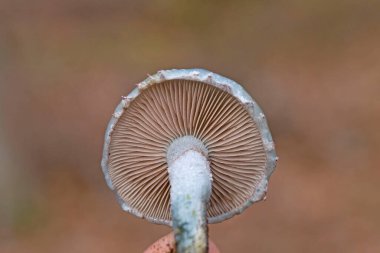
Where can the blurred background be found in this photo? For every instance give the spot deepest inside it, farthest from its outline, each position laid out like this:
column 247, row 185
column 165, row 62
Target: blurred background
column 313, row 66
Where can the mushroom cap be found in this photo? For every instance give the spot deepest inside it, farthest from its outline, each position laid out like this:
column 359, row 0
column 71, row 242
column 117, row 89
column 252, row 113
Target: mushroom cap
column 187, row 102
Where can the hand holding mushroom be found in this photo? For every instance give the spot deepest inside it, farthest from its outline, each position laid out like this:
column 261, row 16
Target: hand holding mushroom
column 187, row 148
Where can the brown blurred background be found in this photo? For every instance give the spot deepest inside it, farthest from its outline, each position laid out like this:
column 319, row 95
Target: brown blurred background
column 313, row 66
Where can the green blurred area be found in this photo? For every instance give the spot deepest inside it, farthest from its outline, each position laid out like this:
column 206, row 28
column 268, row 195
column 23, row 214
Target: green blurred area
column 313, row 66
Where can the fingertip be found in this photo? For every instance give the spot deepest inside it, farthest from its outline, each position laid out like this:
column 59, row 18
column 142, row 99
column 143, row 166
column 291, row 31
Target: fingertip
column 166, row 245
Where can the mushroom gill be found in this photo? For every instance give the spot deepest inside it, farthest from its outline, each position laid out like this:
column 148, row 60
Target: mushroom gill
column 172, row 109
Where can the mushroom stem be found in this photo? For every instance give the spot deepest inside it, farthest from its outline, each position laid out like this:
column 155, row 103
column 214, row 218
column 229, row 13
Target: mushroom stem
column 190, row 180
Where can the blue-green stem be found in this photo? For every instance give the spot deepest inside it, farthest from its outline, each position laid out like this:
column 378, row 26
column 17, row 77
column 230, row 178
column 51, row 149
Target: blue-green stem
column 190, row 180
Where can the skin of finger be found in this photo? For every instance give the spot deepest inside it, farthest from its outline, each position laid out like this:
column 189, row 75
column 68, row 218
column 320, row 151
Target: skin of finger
column 166, row 245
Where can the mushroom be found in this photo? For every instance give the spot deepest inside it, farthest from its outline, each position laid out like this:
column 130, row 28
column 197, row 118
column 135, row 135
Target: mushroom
column 186, row 148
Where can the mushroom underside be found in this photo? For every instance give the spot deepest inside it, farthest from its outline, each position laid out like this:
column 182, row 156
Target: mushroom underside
column 166, row 111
